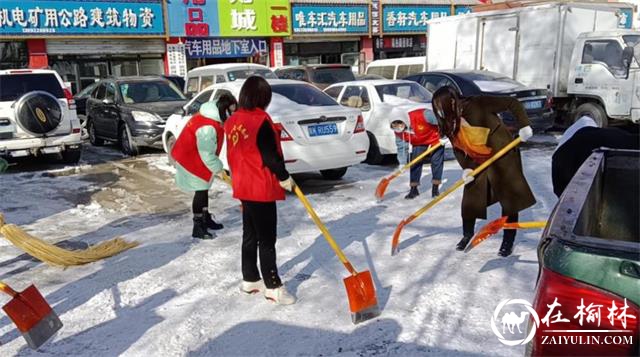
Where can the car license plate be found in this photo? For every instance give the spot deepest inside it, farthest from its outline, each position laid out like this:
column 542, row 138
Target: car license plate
column 323, row 129
column 534, row 104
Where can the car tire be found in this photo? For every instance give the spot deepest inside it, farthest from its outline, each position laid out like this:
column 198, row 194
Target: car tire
column 171, row 141
column 374, row 157
column 91, row 131
column 71, row 156
column 594, row 111
column 334, row 174
column 125, row 139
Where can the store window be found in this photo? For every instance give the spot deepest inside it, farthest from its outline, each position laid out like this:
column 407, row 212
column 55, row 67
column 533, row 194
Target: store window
column 13, row 55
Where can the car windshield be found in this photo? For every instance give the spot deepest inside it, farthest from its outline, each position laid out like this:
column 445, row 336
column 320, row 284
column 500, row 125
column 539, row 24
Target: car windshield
column 87, row 90
column 246, row 73
column 331, row 75
column 14, row 86
column 150, row 91
column 304, row 94
column 408, row 91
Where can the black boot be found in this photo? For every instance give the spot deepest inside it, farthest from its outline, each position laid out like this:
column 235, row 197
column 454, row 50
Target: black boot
column 210, row 223
column 506, row 248
column 435, row 192
column 200, row 227
column 413, row 193
column 468, row 227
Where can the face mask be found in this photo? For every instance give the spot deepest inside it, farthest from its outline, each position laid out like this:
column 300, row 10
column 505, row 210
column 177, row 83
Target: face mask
column 398, row 129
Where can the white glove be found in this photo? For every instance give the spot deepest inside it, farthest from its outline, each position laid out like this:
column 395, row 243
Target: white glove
column 525, row 133
column 467, row 177
column 288, row 184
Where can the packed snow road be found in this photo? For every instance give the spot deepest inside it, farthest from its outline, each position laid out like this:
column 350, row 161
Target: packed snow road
column 174, row 296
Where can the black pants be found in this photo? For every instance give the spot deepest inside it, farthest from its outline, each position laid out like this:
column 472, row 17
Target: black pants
column 259, row 229
column 200, row 201
column 468, row 227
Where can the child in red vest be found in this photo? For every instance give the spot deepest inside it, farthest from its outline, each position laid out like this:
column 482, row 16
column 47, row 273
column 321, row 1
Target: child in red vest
column 196, row 155
column 259, row 178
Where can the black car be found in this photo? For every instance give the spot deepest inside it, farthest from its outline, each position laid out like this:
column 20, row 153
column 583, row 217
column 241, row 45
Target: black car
column 131, row 111
column 177, row 80
column 470, row 83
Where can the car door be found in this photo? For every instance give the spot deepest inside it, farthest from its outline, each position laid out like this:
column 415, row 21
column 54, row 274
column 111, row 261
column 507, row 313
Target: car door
column 110, row 110
column 95, row 109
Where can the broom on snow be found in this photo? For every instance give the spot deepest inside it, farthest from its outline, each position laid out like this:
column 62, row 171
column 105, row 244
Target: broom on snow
column 54, row 255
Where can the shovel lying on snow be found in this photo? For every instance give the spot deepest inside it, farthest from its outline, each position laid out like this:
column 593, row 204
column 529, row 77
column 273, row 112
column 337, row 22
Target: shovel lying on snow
column 396, row 235
column 360, row 289
column 382, row 186
column 32, row 315
column 494, row 227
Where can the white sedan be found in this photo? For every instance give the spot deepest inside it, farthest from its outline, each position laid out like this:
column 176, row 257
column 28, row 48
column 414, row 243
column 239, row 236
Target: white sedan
column 318, row 134
column 380, row 102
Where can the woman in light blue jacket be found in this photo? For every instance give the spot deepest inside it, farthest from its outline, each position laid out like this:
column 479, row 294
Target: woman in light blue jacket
column 196, row 155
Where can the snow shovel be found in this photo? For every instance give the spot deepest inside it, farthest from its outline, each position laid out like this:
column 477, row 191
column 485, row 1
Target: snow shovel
column 494, row 227
column 361, row 292
column 382, row 186
column 396, row 235
column 31, row 313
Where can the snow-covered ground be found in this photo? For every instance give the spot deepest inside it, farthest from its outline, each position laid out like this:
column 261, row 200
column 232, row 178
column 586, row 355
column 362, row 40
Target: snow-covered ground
column 174, row 296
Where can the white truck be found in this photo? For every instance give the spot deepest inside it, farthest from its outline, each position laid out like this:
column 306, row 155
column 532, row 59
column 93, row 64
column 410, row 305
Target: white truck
column 576, row 50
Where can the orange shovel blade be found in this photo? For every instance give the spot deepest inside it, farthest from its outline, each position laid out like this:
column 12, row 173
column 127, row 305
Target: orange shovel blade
column 361, row 292
column 382, row 187
column 488, row 230
column 396, row 237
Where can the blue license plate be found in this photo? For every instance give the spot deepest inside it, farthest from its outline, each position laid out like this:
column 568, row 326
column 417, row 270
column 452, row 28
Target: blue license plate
column 535, row 104
column 323, row 129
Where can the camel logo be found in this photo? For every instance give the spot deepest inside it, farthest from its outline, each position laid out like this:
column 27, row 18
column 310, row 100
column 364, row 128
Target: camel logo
column 41, row 116
column 512, row 321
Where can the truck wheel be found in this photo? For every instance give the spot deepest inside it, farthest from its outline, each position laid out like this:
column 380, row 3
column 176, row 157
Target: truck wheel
column 334, row 174
column 125, row 139
column 593, row 111
column 171, row 141
column 71, row 156
column 93, row 138
column 374, row 157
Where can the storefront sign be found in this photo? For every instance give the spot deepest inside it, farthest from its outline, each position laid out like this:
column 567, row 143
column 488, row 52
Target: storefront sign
column 44, row 18
column 242, row 18
column 309, row 19
column 193, row 18
column 413, row 19
column 375, row 17
column 224, row 47
column 626, row 18
column 394, row 42
column 177, row 59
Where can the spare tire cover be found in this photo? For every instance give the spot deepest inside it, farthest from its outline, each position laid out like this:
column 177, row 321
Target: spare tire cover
column 38, row 113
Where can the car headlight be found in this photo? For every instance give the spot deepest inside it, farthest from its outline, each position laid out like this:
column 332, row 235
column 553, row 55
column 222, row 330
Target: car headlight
column 145, row 116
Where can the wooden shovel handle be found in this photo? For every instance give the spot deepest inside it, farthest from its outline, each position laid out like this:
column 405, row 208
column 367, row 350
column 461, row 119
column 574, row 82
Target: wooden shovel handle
column 8, row 290
column 414, row 161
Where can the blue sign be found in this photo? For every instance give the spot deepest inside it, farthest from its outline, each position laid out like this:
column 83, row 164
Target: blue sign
column 413, row 19
column 224, row 47
column 81, row 17
column 626, row 18
column 313, row 19
column 193, row 18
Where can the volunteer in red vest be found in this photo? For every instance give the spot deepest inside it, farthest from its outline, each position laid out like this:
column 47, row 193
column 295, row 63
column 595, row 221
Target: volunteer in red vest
column 423, row 132
column 259, row 178
column 196, row 155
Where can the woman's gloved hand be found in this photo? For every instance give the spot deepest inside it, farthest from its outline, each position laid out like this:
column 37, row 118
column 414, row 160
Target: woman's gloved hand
column 288, row 184
column 467, row 177
column 525, row 133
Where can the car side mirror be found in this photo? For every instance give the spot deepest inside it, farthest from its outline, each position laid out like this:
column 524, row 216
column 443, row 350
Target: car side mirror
column 627, row 58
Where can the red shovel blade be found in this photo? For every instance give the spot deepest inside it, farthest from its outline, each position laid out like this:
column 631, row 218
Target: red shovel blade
column 361, row 292
column 488, row 230
column 33, row 316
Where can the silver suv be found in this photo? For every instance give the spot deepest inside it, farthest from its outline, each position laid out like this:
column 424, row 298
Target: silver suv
column 38, row 116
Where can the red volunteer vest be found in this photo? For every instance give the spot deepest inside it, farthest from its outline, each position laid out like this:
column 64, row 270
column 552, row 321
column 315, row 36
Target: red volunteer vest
column 251, row 179
column 185, row 150
column 425, row 134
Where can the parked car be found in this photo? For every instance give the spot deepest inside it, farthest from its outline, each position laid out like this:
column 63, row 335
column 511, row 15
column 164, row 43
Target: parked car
column 470, row 83
column 38, row 116
column 378, row 99
column 320, row 75
column 368, row 77
column 177, row 80
column 131, row 111
column 202, row 77
column 317, row 133
column 589, row 255
column 397, row 68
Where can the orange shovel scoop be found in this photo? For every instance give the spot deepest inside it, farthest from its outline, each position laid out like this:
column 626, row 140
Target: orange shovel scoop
column 31, row 313
column 495, row 226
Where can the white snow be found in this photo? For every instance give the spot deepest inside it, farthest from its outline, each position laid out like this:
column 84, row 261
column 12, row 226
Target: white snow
column 174, row 296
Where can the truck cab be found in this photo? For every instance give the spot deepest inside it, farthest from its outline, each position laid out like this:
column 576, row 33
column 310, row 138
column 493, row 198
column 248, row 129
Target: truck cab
column 605, row 75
